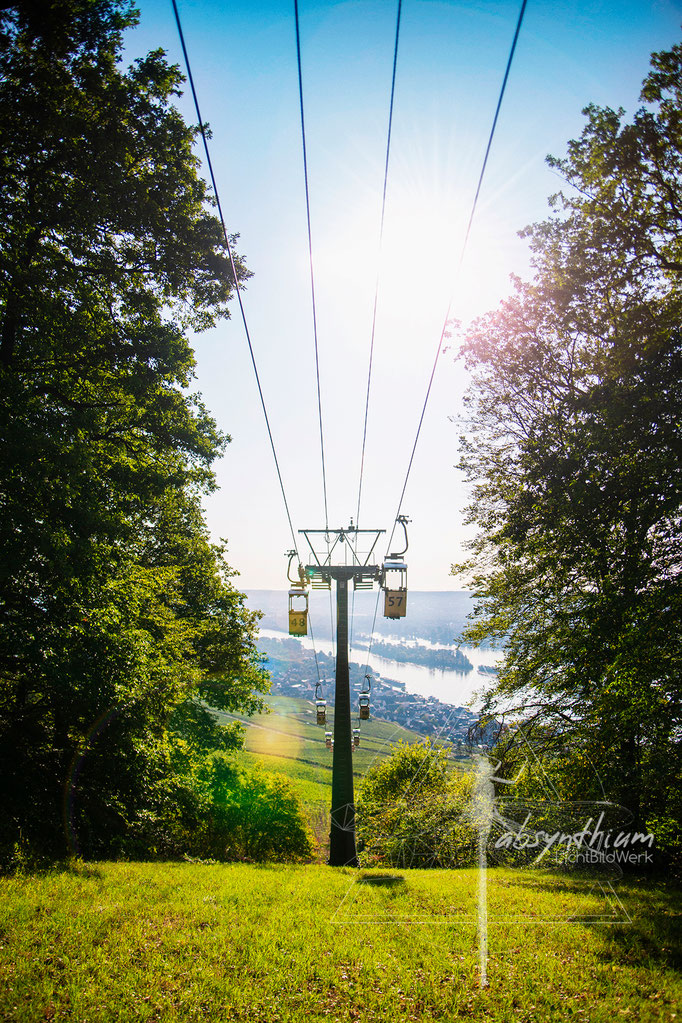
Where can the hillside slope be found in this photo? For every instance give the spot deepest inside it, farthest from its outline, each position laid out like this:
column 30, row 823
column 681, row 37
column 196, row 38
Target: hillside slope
column 287, row 740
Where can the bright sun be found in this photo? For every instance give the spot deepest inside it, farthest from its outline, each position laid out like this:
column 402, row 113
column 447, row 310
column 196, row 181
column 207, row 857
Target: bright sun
column 419, row 265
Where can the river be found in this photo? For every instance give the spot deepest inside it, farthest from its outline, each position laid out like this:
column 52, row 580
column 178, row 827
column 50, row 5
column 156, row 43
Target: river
column 448, row 686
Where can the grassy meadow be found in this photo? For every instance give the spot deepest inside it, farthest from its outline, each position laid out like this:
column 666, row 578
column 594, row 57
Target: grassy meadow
column 288, row 741
column 192, row 941
column 268, row 944
column 288, row 736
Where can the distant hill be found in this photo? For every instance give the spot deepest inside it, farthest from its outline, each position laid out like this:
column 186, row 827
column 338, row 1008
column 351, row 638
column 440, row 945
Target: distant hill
column 437, row 617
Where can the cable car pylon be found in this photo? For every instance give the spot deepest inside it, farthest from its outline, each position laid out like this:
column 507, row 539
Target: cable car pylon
column 343, row 562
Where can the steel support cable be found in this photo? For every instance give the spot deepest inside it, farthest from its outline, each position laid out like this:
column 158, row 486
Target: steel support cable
column 312, row 292
column 376, row 285
column 458, row 270
column 312, row 640
column 310, row 258
column 381, row 242
column 228, row 246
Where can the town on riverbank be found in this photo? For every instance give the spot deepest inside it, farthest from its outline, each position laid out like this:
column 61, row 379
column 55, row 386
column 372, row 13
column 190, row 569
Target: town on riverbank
column 294, row 672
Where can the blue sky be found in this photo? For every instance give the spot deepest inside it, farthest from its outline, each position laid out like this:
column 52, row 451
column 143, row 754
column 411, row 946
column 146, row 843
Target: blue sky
column 450, row 66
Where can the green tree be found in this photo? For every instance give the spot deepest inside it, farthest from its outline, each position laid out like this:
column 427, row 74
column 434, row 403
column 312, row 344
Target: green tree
column 218, row 808
column 573, row 452
column 117, row 613
column 413, row 811
column 259, row 811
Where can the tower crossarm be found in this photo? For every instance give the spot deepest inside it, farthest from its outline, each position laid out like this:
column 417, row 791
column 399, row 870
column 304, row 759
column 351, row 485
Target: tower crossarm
column 330, row 547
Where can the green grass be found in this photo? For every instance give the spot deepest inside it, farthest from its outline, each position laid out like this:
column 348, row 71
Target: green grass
column 289, row 731
column 189, row 942
column 289, row 741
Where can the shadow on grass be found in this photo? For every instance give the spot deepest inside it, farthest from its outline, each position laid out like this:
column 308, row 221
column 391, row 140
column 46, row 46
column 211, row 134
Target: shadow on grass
column 654, row 934
column 385, row 880
column 656, row 941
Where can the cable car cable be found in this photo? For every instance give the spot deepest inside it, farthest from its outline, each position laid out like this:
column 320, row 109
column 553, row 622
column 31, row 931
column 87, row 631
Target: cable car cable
column 310, row 258
column 209, row 163
column 381, row 240
column 459, row 267
column 376, row 287
column 461, row 258
column 371, row 635
column 312, row 292
column 202, row 129
column 312, row 640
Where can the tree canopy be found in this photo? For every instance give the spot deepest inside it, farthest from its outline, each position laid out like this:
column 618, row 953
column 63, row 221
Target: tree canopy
column 414, row 809
column 572, row 448
column 119, row 621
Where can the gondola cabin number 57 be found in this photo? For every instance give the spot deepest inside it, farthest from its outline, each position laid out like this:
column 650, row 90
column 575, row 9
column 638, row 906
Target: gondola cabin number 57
column 395, row 603
column 394, row 581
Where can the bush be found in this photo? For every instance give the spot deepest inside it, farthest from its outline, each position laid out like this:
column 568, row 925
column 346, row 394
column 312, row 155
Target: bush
column 226, row 811
column 257, row 816
column 415, row 811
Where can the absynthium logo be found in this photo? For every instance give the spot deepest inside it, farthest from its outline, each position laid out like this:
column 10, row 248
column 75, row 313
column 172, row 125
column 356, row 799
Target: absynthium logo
column 582, row 845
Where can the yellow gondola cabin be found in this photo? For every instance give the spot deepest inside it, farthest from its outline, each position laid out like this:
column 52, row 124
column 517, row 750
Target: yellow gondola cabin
column 395, row 589
column 298, row 612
